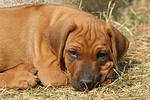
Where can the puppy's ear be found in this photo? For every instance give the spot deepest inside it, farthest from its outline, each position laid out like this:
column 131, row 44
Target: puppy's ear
column 56, row 36
column 120, row 43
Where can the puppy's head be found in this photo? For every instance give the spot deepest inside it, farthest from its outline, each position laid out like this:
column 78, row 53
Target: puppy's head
column 86, row 47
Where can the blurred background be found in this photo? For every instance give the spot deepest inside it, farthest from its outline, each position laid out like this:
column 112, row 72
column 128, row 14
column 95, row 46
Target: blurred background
column 92, row 6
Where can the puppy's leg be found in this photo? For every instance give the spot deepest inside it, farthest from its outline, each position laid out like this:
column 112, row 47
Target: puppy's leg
column 52, row 75
column 18, row 77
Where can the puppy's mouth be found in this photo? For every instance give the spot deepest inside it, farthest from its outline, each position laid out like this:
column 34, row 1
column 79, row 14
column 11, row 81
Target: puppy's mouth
column 86, row 83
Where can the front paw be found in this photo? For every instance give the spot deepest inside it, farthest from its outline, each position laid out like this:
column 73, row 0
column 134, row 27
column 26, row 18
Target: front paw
column 19, row 79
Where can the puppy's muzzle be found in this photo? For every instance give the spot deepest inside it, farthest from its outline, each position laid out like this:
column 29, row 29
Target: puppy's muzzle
column 86, row 80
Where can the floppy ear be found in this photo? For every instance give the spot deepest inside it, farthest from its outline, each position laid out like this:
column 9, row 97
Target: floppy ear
column 56, row 36
column 120, row 43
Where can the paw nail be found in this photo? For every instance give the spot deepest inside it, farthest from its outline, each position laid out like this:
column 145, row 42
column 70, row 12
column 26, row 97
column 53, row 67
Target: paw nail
column 34, row 71
column 37, row 80
column 29, row 84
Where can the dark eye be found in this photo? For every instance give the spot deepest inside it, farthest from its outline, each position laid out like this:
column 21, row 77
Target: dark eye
column 73, row 54
column 100, row 56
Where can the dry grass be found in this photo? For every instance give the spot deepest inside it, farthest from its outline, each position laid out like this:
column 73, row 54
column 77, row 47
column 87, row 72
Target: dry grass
column 10, row 3
column 133, row 81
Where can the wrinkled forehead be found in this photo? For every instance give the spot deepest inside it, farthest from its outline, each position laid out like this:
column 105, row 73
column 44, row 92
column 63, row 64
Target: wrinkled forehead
column 89, row 33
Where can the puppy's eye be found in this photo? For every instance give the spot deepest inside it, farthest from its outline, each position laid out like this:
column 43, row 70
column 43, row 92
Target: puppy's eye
column 100, row 56
column 73, row 54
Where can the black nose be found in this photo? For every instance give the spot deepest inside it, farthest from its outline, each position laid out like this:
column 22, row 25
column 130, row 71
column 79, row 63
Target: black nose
column 86, row 83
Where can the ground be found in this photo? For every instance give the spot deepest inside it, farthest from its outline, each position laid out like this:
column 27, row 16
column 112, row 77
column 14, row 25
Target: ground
column 133, row 79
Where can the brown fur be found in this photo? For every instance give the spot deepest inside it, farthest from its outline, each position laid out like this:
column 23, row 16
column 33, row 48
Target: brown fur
column 22, row 45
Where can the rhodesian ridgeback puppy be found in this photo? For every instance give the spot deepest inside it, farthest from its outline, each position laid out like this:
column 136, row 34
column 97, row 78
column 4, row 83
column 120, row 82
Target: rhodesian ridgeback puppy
column 65, row 44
